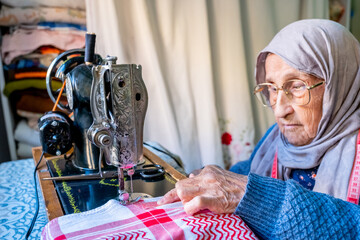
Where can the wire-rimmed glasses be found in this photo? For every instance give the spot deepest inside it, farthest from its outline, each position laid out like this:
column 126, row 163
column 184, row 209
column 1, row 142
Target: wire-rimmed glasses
column 297, row 91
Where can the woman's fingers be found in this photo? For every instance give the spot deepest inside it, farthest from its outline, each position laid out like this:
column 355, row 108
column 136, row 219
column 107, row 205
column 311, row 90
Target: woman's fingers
column 194, row 173
column 184, row 190
column 213, row 188
column 188, row 189
column 169, row 197
column 199, row 203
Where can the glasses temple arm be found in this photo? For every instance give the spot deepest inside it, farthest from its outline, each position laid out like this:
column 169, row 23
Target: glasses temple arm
column 316, row 85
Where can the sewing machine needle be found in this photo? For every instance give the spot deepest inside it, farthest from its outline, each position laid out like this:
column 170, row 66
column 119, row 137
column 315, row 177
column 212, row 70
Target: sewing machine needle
column 131, row 184
column 121, row 180
column 130, row 173
column 123, row 195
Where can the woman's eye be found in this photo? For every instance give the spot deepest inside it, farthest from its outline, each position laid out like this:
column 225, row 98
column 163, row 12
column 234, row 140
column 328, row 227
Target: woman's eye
column 272, row 89
column 296, row 86
column 299, row 88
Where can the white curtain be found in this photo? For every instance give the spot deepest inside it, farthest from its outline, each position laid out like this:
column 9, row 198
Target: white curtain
column 198, row 61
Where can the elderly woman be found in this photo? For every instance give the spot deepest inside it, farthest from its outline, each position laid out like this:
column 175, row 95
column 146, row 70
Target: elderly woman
column 303, row 179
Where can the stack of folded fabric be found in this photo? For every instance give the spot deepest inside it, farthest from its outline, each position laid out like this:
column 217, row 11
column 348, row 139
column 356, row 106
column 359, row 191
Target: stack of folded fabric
column 34, row 32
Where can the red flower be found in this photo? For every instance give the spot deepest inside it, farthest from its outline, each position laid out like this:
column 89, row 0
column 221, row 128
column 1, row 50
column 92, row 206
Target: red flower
column 226, row 138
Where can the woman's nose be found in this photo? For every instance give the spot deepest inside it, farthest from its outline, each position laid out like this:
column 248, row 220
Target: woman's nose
column 283, row 106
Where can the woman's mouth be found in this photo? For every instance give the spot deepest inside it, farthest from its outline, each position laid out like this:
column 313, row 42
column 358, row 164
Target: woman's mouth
column 291, row 126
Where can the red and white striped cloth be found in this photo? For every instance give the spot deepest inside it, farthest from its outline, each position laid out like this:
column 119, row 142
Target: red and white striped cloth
column 146, row 220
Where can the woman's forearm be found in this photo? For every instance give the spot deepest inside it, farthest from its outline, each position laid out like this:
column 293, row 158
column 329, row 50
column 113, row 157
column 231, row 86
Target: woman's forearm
column 276, row 209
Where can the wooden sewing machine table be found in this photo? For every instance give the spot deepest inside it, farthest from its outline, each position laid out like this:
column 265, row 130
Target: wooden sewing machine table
column 51, row 197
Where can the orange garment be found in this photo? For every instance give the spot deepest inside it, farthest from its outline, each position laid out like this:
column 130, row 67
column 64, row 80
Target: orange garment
column 49, row 50
column 22, row 75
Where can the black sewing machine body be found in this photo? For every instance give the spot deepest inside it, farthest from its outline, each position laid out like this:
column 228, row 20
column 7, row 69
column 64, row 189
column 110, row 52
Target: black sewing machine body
column 108, row 102
column 78, row 86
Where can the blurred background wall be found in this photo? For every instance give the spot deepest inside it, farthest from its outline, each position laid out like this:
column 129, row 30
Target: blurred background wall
column 198, row 62
column 197, row 56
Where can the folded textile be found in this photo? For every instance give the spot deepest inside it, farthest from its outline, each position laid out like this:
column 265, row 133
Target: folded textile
column 31, row 118
column 24, row 150
column 26, row 73
column 31, row 60
column 35, row 103
column 17, row 85
column 23, row 133
column 36, row 61
column 62, row 25
column 146, row 220
column 79, row 4
column 23, row 41
column 32, row 15
column 49, row 50
column 24, row 63
column 43, row 59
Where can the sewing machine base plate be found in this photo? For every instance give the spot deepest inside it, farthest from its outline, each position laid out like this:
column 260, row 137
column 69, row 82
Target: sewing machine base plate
column 82, row 195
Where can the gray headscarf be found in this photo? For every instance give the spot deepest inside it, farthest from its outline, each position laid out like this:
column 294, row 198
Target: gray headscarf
column 327, row 50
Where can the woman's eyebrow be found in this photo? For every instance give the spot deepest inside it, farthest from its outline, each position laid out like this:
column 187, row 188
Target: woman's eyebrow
column 268, row 80
column 291, row 75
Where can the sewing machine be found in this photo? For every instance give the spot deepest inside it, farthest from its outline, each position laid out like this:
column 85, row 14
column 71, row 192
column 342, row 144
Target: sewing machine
column 108, row 102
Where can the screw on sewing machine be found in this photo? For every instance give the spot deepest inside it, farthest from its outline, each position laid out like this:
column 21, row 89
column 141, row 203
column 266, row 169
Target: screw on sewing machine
column 109, row 60
column 104, row 139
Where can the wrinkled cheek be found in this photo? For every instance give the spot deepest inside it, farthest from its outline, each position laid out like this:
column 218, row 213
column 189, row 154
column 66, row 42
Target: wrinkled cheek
column 311, row 124
column 311, row 132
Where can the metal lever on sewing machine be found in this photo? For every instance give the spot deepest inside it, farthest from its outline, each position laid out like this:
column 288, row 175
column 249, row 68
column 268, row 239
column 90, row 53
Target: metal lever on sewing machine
column 118, row 102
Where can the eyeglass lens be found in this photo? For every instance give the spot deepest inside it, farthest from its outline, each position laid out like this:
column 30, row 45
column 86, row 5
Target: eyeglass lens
column 295, row 90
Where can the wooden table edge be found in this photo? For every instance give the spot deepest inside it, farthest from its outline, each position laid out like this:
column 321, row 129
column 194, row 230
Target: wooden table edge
column 168, row 168
column 51, row 199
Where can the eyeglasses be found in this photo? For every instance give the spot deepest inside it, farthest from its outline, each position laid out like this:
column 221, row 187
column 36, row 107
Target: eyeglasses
column 297, row 91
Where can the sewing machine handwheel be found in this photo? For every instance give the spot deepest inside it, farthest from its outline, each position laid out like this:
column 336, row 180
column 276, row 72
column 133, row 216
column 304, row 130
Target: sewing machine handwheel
column 59, row 73
column 55, row 133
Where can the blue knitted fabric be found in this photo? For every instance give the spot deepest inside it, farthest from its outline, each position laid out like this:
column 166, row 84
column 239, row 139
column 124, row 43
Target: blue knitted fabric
column 276, row 209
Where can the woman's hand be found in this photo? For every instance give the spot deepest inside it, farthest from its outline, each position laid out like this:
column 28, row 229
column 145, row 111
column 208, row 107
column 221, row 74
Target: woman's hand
column 213, row 188
column 195, row 172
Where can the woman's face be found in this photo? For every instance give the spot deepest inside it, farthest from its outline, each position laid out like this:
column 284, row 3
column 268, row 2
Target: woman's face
column 298, row 124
